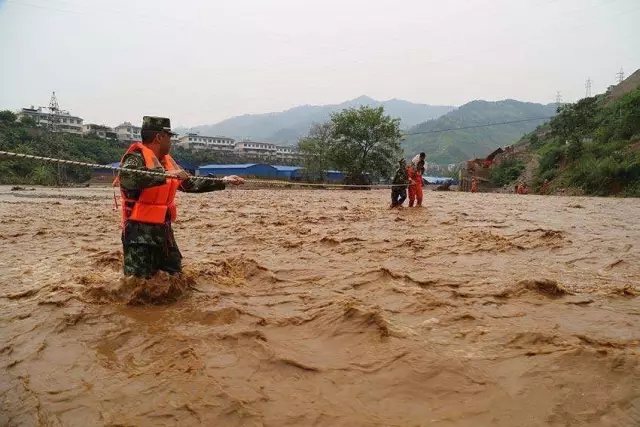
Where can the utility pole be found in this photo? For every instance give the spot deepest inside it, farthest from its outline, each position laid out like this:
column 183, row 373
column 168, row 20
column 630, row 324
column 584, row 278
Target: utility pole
column 587, row 86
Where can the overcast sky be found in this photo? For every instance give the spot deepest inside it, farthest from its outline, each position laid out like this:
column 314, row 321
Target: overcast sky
column 201, row 61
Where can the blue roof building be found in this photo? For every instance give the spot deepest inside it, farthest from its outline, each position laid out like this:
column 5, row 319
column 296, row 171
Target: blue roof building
column 288, row 172
column 250, row 169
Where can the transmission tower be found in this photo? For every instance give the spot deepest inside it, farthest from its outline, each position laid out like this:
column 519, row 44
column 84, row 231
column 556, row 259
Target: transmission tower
column 54, row 114
column 587, row 86
column 620, row 76
column 53, row 131
column 558, row 99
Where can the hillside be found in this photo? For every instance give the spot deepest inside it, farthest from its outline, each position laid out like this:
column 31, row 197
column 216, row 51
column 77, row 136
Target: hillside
column 591, row 147
column 25, row 137
column 288, row 126
column 627, row 85
column 456, row 146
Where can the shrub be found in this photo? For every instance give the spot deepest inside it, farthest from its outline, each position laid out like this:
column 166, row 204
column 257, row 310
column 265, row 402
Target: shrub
column 507, row 172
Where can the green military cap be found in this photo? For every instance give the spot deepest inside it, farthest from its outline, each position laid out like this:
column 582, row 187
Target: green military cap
column 157, row 124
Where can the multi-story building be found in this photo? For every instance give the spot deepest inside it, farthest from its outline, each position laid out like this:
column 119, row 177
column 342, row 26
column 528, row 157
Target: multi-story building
column 127, row 132
column 100, row 131
column 287, row 153
column 193, row 141
column 256, row 148
column 65, row 121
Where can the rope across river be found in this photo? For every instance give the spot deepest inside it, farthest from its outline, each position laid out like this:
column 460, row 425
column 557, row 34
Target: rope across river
column 205, row 178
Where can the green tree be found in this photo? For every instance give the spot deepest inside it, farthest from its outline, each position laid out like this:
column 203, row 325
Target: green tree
column 576, row 120
column 28, row 121
column 7, row 116
column 317, row 148
column 365, row 140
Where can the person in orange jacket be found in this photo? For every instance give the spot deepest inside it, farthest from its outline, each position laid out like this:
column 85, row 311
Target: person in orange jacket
column 522, row 189
column 415, row 172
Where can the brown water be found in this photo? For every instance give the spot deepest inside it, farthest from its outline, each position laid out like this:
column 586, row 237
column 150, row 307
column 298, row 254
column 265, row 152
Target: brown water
column 325, row 308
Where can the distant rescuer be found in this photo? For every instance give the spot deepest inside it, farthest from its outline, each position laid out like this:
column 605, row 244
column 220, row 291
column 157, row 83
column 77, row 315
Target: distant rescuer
column 400, row 183
column 415, row 172
column 148, row 206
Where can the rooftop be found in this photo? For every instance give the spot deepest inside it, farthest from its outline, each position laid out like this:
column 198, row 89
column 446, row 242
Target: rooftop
column 242, row 166
column 39, row 111
column 205, row 136
column 287, row 168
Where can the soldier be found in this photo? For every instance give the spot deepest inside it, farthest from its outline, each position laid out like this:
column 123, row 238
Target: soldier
column 400, row 182
column 148, row 206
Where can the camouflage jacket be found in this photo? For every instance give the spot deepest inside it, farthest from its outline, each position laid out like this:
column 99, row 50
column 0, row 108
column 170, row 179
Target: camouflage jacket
column 132, row 184
column 401, row 176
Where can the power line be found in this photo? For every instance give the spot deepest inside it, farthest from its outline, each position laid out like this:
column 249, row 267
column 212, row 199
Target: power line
column 203, row 178
column 478, row 126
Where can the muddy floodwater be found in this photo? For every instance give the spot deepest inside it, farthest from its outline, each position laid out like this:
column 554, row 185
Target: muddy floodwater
column 325, row 308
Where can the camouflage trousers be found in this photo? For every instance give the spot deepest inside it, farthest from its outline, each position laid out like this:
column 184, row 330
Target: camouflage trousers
column 143, row 259
column 398, row 196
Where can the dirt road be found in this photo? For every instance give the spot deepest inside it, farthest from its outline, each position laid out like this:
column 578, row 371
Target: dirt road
column 324, row 308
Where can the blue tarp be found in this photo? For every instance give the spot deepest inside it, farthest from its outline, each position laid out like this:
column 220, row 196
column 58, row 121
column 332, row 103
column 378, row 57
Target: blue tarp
column 437, row 180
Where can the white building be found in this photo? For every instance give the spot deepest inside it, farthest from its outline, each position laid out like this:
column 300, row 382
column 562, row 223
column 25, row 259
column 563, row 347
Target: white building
column 65, row 121
column 100, row 131
column 127, row 132
column 256, row 148
column 287, row 152
column 194, row 141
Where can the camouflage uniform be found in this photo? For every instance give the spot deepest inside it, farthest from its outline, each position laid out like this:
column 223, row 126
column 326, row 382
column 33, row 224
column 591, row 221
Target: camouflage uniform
column 399, row 193
column 148, row 248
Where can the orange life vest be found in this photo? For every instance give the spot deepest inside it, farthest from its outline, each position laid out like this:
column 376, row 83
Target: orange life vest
column 154, row 202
